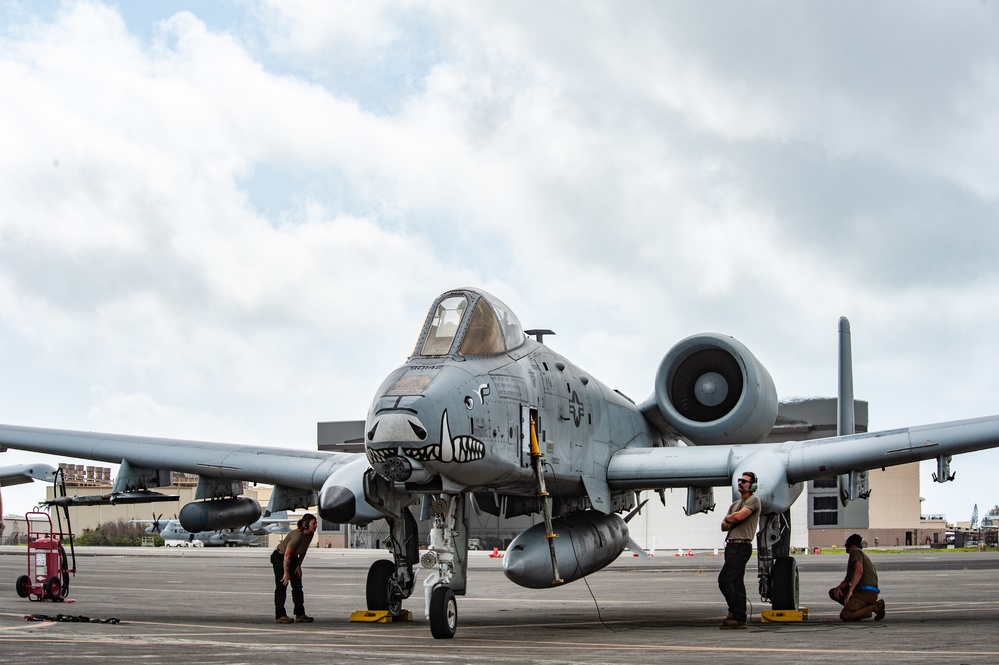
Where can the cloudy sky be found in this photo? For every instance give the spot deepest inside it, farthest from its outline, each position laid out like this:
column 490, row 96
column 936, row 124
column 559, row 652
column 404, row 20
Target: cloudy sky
column 225, row 221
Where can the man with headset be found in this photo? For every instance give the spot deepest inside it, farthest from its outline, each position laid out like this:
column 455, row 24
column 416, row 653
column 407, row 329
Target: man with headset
column 740, row 522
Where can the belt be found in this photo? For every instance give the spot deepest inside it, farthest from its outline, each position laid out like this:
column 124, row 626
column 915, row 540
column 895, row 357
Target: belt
column 868, row 587
column 738, row 540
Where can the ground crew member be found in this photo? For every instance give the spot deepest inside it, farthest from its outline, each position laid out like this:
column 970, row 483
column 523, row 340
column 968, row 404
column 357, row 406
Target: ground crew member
column 740, row 522
column 287, row 562
column 858, row 592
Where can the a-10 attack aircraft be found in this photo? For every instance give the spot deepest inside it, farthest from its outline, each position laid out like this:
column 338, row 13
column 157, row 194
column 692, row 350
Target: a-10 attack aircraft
column 482, row 411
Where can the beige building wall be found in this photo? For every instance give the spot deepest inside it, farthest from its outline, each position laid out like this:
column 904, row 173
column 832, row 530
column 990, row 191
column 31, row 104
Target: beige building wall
column 894, row 500
column 893, row 513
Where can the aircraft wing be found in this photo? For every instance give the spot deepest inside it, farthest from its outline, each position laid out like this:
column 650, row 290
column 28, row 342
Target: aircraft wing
column 302, row 469
column 17, row 474
column 779, row 465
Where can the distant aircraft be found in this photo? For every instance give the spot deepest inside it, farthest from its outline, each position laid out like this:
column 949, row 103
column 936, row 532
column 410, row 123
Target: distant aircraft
column 175, row 535
column 483, row 411
column 17, row 474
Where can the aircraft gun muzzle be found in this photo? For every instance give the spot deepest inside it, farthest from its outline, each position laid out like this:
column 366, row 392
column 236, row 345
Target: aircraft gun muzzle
column 400, row 469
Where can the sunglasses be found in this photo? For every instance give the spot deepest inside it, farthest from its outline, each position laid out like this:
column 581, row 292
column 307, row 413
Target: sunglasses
column 743, row 480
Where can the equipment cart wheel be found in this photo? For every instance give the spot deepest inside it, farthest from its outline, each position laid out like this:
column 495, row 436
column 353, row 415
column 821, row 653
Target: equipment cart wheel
column 443, row 613
column 53, row 588
column 23, row 586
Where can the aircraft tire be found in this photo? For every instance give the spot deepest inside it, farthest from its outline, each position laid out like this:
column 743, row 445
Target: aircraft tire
column 443, row 613
column 23, row 586
column 379, row 591
column 53, row 588
column 784, row 584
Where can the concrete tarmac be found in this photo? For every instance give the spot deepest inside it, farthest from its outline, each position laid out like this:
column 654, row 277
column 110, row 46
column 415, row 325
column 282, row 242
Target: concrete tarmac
column 215, row 606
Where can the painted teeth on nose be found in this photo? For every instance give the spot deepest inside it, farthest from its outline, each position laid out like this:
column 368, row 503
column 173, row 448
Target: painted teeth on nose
column 468, row 449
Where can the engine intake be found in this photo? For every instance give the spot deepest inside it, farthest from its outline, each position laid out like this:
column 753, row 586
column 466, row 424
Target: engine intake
column 711, row 389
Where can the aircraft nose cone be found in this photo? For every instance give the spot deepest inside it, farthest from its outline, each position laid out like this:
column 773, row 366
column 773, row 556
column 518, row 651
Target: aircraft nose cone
column 529, row 565
column 337, row 504
column 513, row 568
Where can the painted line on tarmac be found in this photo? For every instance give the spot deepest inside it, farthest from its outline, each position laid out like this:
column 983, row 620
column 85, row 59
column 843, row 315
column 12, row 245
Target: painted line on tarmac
column 27, row 624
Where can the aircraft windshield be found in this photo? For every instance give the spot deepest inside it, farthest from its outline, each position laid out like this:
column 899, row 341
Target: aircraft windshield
column 483, row 334
column 490, row 328
column 444, row 326
column 509, row 324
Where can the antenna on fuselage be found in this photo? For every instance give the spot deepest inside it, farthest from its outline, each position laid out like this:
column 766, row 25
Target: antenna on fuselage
column 539, row 334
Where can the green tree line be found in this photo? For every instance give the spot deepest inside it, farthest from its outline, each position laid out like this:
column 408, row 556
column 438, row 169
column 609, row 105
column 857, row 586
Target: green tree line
column 116, row 534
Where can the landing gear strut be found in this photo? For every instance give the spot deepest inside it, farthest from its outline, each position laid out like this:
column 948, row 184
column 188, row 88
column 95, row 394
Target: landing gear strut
column 391, row 582
column 447, row 560
column 778, row 571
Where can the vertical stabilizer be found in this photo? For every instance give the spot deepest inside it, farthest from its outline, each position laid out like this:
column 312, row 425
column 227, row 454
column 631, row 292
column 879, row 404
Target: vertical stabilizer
column 846, row 422
column 853, row 485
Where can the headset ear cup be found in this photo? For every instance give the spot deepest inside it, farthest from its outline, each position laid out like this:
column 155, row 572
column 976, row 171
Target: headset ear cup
column 753, row 487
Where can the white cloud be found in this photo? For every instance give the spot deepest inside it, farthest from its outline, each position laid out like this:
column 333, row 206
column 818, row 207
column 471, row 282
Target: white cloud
column 238, row 227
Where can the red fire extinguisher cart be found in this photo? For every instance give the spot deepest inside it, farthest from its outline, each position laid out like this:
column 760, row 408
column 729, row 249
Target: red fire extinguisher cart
column 48, row 564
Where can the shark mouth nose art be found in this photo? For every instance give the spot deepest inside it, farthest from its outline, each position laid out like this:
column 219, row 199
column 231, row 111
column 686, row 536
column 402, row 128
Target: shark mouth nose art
column 461, row 448
column 457, row 449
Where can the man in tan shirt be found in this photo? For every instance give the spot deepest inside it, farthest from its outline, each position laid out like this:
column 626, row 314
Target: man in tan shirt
column 740, row 522
column 858, row 592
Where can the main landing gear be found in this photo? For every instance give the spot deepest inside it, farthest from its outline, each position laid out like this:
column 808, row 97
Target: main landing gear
column 391, row 582
column 778, row 570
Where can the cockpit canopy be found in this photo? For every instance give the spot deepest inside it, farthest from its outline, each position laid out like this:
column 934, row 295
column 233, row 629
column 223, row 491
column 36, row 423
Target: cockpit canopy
column 468, row 322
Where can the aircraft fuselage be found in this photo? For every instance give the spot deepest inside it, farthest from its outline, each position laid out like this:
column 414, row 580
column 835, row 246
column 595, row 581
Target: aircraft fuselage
column 459, row 422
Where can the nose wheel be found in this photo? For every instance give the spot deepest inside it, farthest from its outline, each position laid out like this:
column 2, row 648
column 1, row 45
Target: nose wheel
column 441, row 560
column 443, row 613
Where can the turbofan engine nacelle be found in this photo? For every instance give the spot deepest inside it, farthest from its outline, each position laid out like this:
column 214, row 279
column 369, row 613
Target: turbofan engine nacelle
column 587, row 542
column 711, row 389
column 218, row 514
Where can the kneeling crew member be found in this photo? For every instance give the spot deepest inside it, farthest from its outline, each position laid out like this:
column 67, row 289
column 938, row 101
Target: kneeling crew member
column 858, row 592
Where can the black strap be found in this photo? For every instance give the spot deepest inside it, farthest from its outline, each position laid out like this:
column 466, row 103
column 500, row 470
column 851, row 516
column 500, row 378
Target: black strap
column 68, row 619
